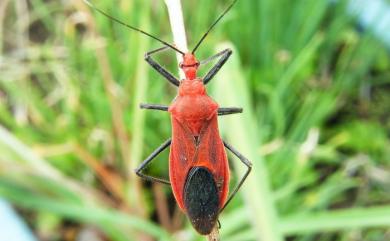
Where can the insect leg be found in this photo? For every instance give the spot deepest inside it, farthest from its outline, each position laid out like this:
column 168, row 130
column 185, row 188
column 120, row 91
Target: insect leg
column 159, row 68
column 247, row 163
column 154, row 107
column 214, row 70
column 148, row 160
column 205, row 61
column 229, row 110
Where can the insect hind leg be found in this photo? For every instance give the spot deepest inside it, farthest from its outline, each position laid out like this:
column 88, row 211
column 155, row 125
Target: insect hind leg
column 149, row 159
column 247, row 163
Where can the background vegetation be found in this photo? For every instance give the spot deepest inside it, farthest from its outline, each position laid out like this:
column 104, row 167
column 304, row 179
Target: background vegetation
column 315, row 91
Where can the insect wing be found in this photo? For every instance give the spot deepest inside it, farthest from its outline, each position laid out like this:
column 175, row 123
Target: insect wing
column 181, row 156
column 185, row 154
column 212, row 155
column 201, row 199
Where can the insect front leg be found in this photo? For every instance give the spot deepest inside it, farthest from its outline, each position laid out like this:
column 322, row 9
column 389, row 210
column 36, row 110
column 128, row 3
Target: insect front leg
column 214, row 70
column 148, row 57
column 148, row 160
column 247, row 163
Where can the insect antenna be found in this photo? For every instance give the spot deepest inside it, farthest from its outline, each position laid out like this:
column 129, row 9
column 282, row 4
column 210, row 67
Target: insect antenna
column 131, row 27
column 212, row 25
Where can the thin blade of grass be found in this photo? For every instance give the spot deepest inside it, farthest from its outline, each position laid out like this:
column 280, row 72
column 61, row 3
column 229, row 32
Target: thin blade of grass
column 85, row 213
column 231, row 89
column 337, row 220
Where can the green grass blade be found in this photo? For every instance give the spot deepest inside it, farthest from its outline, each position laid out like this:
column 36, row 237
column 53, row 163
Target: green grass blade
column 337, row 220
column 231, row 89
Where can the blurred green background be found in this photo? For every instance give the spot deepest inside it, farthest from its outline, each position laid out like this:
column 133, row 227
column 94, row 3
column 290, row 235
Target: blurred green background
column 315, row 88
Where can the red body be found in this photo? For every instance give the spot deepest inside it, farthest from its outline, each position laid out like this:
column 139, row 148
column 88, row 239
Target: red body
column 195, row 136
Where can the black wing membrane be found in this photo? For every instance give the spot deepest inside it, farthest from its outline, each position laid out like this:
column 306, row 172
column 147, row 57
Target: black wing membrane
column 201, row 199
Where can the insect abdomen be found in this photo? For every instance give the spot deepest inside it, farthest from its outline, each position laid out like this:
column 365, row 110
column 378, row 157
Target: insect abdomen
column 201, row 199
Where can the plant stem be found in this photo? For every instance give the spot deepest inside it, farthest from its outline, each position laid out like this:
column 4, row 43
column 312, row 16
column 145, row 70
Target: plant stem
column 178, row 30
column 214, row 235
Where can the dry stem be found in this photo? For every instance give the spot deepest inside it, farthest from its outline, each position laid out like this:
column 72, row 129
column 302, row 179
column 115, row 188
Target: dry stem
column 177, row 26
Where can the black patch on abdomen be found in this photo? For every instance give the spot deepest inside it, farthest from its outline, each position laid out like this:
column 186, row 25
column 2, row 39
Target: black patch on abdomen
column 201, row 199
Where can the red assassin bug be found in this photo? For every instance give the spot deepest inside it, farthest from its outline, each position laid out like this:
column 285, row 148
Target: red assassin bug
column 198, row 165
